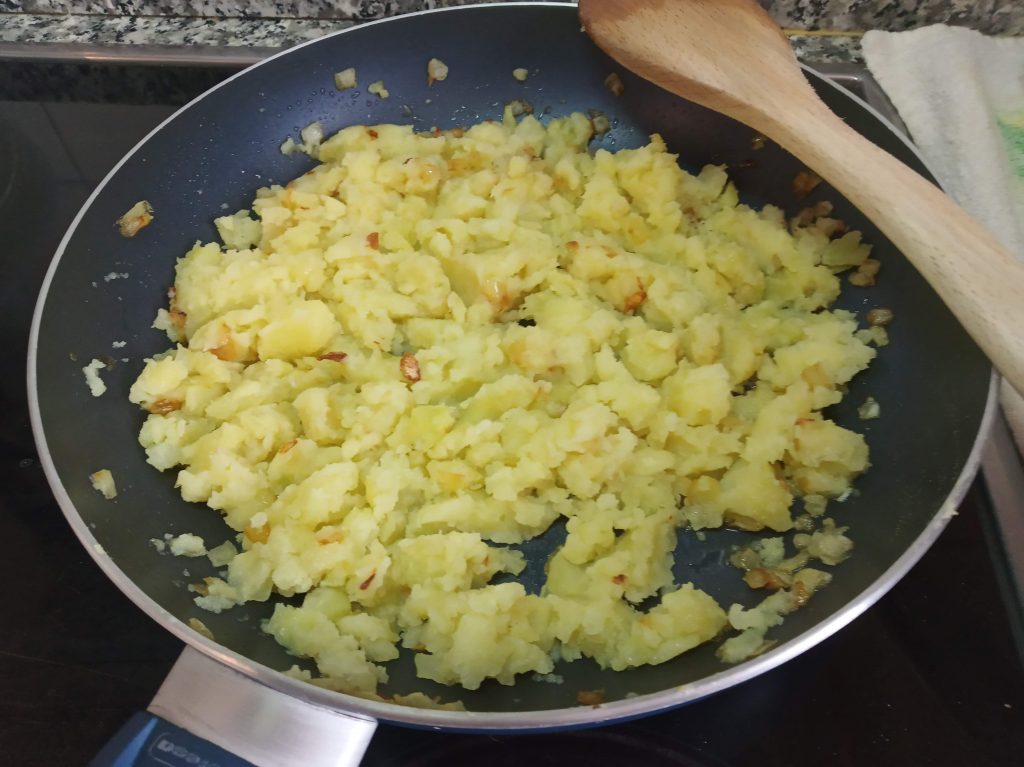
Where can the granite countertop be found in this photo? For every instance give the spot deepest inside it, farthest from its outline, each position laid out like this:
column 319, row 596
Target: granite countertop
column 24, row 28
column 64, row 56
column 822, row 30
column 37, row 34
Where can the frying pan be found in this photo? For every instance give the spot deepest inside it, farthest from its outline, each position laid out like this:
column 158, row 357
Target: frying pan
column 934, row 386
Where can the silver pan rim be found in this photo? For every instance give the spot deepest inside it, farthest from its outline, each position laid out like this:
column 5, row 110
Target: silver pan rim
column 534, row 720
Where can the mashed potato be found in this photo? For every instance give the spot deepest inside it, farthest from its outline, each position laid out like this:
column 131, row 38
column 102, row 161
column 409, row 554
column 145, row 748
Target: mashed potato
column 432, row 347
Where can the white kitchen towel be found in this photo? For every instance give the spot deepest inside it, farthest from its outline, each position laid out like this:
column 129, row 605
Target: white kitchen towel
column 961, row 95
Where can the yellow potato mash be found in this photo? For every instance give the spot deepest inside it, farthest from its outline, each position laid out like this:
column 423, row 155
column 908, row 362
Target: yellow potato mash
column 433, row 346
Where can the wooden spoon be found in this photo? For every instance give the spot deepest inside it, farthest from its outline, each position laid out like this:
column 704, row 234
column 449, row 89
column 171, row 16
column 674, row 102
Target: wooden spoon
column 730, row 56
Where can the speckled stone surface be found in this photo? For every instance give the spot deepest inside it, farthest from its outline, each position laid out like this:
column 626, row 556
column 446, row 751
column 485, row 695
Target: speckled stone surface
column 990, row 16
column 269, row 33
column 278, row 24
column 840, row 49
column 135, row 30
column 300, row 9
column 303, row 9
column 37, row 6
column 998, row 17
column 168, row 84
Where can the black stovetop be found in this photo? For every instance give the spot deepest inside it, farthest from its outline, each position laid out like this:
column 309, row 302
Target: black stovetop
column 929, row 676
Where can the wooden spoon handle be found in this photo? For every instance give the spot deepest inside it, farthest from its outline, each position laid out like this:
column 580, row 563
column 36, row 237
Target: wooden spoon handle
column 981, row 282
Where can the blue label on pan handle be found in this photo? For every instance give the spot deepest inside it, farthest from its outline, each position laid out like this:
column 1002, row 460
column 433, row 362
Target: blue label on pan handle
column 147, row 740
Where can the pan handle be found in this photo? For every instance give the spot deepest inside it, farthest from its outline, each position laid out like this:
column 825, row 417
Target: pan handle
column 207, row 713
column 146, row 740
